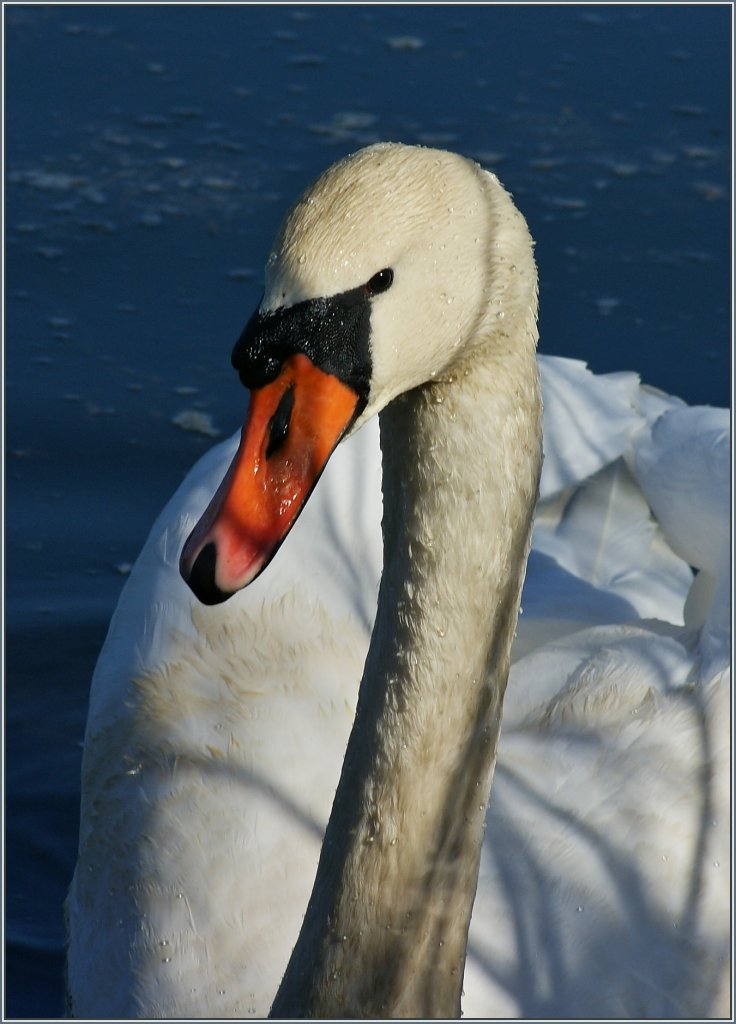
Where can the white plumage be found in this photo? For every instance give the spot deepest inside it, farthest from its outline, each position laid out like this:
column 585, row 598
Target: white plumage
column 215, row 737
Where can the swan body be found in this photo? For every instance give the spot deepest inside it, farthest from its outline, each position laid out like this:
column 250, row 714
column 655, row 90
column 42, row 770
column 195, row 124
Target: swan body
column 216, row 734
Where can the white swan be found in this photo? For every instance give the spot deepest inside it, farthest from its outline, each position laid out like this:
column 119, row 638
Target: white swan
column 215, row 735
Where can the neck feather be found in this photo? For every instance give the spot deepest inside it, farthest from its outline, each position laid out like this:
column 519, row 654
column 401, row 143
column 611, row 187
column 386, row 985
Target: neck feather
column 386, row 927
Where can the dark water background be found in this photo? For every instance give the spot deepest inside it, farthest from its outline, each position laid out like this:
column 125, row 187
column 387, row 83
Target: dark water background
column 150, row 152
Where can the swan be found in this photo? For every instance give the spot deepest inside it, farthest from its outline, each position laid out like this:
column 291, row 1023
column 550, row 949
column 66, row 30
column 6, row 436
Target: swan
column 216, row 730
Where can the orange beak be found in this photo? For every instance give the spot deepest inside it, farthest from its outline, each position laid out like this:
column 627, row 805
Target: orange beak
column 292, row 427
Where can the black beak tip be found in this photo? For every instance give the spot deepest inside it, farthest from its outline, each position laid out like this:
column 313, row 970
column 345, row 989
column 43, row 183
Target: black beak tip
column 201, row 577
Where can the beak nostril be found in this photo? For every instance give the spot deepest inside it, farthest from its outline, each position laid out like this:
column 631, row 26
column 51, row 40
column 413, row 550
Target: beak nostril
column 201, row 577
column 278, row 425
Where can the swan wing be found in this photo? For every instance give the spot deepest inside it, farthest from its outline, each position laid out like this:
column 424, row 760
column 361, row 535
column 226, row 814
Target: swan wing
column 603, row 889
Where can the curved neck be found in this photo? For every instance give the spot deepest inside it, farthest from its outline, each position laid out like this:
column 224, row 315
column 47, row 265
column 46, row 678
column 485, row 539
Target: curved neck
column 386, row 927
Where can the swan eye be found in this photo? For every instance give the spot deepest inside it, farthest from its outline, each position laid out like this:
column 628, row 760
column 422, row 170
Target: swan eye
column 380, row 282
column 278, row 425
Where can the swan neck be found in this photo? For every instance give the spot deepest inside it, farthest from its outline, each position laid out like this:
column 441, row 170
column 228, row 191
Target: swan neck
column 399, row 864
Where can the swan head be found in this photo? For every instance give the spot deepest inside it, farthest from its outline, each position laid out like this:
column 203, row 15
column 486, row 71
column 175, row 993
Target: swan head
column 383, row 276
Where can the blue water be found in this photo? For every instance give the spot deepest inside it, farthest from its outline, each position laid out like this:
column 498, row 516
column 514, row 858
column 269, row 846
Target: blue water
column 150, row 152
